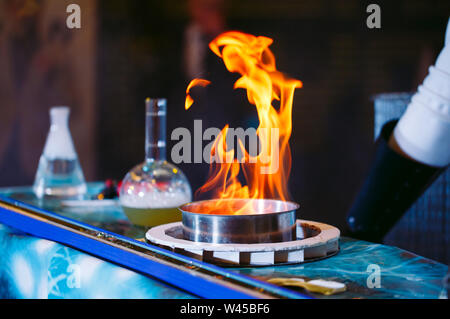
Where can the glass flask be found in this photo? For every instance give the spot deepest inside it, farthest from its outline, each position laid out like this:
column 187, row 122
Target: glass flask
column 59, row 173
column 152, row 191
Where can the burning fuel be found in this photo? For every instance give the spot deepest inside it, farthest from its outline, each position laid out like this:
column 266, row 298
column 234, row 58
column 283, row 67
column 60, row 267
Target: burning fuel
column 251, row 57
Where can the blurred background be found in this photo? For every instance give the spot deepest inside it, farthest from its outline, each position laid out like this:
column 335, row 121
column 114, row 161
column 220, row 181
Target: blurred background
column 129, row 50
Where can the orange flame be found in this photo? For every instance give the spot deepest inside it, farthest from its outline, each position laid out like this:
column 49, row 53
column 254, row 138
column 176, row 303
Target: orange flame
column 268, row 172
column 194, row 83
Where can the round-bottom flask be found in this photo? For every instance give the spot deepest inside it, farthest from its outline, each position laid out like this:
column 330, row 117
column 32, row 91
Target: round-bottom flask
column 152, row 191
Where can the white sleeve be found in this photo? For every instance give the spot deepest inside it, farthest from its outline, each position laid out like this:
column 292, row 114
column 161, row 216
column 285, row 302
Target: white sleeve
column 424, row 130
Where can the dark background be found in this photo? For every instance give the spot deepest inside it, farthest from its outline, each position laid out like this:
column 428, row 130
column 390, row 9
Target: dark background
column 326, row 44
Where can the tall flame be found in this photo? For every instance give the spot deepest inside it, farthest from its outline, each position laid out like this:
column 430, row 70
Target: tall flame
column 266, row 173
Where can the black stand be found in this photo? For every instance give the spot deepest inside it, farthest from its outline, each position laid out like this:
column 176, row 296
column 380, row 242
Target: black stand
column 393, row 184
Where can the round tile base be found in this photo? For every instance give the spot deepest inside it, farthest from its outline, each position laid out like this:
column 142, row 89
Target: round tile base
column 314, row 241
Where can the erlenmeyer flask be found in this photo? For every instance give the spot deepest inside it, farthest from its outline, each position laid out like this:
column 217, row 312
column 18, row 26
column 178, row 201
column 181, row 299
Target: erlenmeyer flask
column 59, row 173
column 152, row 191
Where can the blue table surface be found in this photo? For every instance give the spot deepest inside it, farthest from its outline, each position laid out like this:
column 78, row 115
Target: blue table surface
column 36, row 268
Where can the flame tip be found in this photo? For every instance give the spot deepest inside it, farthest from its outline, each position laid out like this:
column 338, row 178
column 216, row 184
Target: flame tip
column 192, row 84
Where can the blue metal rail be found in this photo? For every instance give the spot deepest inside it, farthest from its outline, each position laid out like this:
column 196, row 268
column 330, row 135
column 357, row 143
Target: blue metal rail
column 208, row 281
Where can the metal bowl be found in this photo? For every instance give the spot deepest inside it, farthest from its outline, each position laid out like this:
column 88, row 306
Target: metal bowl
column 274, row 221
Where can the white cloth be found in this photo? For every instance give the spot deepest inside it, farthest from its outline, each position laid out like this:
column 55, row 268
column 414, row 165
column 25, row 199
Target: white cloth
column 424, row 130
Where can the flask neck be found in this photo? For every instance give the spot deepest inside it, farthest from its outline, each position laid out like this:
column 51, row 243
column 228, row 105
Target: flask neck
column 59, row 144
column 155, row 123
column 59, row 117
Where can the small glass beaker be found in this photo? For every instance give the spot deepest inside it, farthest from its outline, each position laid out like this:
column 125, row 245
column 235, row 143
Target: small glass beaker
column 152, row 191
